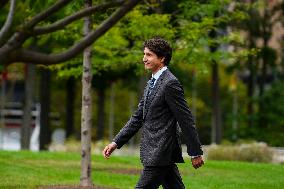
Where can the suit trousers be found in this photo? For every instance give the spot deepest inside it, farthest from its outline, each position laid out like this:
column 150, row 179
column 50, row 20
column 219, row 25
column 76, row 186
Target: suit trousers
column 154, row 176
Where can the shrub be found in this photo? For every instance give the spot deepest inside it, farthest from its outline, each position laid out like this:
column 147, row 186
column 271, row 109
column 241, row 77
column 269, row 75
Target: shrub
column 254, row 152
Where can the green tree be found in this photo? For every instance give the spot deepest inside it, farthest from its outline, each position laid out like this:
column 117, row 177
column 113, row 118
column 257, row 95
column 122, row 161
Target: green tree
column 203, row 40
column 117, row 55
column 260, row 70
column 12, row 48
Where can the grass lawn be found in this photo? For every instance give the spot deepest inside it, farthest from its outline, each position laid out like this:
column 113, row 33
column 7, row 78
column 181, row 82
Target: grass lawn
column 32, row 169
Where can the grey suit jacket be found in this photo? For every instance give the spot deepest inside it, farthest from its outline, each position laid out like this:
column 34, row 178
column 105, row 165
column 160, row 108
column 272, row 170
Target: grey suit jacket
column 158, row 116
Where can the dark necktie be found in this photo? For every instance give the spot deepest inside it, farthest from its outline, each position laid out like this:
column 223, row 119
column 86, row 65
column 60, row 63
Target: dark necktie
column 151, row 85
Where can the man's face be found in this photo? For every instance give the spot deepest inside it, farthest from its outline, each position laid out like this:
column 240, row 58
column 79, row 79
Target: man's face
column 152, row 61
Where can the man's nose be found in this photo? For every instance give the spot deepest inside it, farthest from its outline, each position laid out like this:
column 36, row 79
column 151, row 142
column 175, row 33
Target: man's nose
column 144, row 59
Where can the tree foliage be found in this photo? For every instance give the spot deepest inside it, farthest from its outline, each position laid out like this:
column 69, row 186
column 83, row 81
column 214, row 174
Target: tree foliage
column 13, row 49
column 119, row 51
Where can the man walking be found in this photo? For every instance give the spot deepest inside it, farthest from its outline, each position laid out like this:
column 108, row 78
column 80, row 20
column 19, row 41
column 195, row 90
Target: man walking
column 160, row 112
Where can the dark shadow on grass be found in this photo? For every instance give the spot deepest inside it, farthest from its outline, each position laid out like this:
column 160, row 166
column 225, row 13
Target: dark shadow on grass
column 73, row 187
column 127, row 171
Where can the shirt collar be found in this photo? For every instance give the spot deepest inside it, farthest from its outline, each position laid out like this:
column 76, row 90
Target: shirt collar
column 159, row 73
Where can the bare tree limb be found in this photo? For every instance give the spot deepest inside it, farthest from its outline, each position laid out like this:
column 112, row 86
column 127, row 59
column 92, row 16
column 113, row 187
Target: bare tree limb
column 60, row 24
column 18, row 38
column 28, row 56
column 8, row 24
column 13, row 43
column 43, row 15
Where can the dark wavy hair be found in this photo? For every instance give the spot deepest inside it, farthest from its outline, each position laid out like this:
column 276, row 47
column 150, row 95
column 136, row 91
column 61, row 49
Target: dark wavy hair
column 160, row 47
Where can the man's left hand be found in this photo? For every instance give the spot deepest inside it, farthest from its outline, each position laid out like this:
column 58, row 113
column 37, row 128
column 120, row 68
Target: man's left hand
column 197, row 162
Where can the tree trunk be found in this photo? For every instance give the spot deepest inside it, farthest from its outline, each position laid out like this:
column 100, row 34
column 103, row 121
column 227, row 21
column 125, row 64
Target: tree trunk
column 101, row 113
column 45, row 132
column 216, row 120
column 2, row 105
column 266, row 33
column 216, row 133
column 131, row 110
column 194, row 94
column 28, row 101
column 250, row 93
column 235, row 115
column 251, row 84
column 111, row 112
column 70, row 97
column 86, row 120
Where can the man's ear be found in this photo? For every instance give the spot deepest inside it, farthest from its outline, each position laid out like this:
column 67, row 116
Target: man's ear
column 163, row 60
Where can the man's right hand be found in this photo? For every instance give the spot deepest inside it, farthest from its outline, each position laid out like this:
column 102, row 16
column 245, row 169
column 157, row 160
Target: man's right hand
column 197, row 162
column 109, row 149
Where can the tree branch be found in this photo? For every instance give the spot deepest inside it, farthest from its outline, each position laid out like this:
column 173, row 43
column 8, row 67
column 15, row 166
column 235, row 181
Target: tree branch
column 65, row 21
column 43, row 15
column 28, row 56
column 18, row 38
column 8, row 24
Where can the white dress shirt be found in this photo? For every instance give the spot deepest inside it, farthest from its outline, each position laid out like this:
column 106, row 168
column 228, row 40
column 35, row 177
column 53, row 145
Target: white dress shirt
column 159, row 73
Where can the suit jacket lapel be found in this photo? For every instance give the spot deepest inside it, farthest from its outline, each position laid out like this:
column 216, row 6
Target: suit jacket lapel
column 148, row 101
